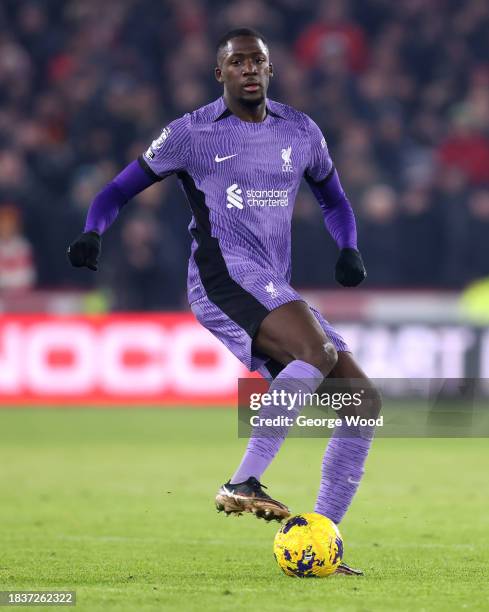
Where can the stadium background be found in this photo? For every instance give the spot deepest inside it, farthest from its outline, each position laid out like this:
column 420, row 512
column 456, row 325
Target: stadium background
column 401, row 91
column 117, row 503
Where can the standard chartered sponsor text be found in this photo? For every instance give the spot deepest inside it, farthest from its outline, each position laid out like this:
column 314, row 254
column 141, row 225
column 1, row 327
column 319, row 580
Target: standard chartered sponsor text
column 267, row 197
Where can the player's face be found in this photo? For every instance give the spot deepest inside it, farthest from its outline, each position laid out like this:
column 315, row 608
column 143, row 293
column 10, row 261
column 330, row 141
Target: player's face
column 245, row 70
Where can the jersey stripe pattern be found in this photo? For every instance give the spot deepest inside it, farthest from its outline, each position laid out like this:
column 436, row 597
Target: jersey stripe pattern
column 241, row 180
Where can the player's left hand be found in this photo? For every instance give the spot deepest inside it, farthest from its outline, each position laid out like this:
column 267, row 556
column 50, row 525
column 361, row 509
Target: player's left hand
column 350, row 270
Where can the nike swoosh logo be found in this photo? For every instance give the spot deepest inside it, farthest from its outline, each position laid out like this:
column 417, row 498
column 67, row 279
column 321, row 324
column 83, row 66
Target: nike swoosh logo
column 351, row 481
column 220, row 159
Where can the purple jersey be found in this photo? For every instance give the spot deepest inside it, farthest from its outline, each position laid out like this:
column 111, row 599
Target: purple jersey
column 241, row 180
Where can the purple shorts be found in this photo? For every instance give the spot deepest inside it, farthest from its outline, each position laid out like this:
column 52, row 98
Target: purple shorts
column 237, row 327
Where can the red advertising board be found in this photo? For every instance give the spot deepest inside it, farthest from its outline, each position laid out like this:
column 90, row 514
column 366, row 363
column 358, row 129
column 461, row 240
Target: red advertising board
column 170, row 359
column 156, row 359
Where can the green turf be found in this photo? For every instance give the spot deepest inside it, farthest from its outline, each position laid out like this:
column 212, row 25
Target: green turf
column 117, row 505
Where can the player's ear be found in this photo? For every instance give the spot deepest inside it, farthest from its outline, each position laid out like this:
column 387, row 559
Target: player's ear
column 270, row 70
column 218, row 74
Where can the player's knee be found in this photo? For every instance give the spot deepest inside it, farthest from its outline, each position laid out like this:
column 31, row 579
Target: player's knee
column 372, row 402
column 322, row 355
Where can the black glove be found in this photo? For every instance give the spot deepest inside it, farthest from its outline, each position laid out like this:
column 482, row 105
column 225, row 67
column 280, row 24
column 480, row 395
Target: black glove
column 350, row 270
column 85, row 251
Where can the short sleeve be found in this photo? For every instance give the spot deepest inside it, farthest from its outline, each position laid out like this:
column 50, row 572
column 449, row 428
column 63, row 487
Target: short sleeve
column 320, row 163
column 169, row 152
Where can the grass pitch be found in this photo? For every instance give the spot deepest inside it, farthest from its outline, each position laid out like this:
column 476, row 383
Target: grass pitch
column 118, row 505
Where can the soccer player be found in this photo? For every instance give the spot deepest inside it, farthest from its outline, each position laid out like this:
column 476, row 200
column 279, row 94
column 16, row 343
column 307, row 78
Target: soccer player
column 240, row 160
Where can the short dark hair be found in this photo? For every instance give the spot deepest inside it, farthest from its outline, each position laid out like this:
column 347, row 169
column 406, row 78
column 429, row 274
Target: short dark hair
column 223, row 41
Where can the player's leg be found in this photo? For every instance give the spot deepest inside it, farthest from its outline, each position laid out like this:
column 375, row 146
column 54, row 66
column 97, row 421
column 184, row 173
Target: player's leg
column 347, row 450
column 291, row 336
column 292, row 333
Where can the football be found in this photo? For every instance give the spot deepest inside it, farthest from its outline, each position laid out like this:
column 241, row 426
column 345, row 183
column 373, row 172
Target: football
column 308, row 546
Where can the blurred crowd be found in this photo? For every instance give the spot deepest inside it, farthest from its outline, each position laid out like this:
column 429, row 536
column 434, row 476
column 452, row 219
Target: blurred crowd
column 400, row 89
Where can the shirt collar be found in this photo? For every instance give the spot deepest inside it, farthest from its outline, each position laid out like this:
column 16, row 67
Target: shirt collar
column 222, row 111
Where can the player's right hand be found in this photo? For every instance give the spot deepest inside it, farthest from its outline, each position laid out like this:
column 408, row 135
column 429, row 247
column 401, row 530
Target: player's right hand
column 85, row 251
column 350, row 270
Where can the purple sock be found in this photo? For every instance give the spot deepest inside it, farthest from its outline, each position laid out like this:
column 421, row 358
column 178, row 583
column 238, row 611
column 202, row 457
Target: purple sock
column 297, row 376
column 341, row 473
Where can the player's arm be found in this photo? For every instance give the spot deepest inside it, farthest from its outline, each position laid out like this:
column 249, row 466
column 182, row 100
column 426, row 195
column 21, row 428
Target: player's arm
column 339, row 218
column 85, row 250
column 166, row 154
